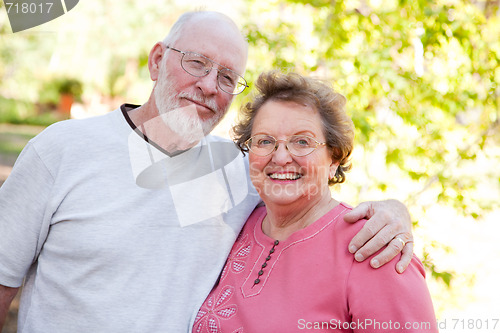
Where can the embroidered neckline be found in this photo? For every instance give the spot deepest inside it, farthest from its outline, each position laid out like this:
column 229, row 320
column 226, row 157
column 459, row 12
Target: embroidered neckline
column 264, row 265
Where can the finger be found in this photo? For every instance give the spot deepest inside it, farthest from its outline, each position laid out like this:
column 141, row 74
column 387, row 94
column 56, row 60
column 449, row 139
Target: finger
column 405, row 260
column 398, row 244
column 370, row 229
column 394, row 247
column 364, row 209
column 381, row 239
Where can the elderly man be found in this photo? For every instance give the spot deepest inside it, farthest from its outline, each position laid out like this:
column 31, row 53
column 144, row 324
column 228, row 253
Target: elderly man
column 122, row 223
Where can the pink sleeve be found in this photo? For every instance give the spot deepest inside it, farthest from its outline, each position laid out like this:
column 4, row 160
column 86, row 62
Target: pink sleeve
column 381, row 300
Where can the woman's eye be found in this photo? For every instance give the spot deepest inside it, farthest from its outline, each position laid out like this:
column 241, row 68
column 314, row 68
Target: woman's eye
column 302, row 141
column 264, row 142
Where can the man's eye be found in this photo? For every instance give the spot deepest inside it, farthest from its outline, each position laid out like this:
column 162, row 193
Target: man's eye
column 196, row 63
column 227, row 80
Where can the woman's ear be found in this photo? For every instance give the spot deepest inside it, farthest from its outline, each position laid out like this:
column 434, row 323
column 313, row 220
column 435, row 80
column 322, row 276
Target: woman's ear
column 333, row 169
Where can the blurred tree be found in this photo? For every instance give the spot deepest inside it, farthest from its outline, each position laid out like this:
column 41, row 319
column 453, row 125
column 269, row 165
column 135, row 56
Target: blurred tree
column 422, row 81
column 85, row 44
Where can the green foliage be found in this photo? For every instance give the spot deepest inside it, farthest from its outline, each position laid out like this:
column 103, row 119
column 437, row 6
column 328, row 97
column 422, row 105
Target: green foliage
column 115, row 74
column 23, row 112
column 422, row 81
column 278, row 46
column 415, row 66
column 71, row 87
column 92, row 44
column 444, row 276
column 51, row 90
column 13, row 143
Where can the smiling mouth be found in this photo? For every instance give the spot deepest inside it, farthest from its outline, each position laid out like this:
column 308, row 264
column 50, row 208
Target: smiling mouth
column 285, row 176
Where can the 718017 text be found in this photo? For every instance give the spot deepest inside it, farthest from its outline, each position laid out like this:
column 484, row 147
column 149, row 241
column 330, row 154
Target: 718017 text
column 468, row 324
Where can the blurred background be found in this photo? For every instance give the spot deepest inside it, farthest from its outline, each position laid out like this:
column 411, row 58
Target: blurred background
column 422, row 80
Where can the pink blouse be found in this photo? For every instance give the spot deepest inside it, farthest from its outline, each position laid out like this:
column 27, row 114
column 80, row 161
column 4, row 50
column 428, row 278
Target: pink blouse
column 311, row 282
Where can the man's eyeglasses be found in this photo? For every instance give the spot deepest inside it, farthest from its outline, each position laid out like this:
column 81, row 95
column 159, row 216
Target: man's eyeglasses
column 198, row 65
column 297, row 145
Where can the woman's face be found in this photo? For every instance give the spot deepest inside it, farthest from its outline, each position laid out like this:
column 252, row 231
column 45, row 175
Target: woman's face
column 282, row 178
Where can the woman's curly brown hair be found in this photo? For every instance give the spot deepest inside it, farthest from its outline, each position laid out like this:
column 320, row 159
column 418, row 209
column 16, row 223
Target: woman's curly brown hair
column 292, row 87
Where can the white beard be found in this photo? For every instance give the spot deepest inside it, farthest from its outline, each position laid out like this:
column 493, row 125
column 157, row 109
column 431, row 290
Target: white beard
column 184, row 121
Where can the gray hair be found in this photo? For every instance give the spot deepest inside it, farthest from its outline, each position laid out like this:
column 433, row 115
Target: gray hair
column 176, row 30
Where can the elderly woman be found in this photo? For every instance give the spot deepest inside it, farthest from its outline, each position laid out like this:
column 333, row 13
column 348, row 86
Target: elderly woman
column 290, row 269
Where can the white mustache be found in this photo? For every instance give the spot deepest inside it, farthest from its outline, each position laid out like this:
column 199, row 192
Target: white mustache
column 210, row 103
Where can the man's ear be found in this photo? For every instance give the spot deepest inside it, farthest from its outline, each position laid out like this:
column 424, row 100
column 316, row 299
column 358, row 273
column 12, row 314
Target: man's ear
column 154, row 60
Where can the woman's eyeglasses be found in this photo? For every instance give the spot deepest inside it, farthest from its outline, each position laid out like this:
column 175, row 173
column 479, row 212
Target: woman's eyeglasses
column 297, row 145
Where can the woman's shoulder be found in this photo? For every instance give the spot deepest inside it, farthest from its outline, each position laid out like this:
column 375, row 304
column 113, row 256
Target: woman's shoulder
column 346, row 228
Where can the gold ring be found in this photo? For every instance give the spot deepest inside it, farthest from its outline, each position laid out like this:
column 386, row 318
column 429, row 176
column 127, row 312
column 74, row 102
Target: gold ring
column 401, row 240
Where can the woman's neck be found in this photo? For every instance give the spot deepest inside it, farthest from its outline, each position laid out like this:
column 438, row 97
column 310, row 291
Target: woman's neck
column 282, row 221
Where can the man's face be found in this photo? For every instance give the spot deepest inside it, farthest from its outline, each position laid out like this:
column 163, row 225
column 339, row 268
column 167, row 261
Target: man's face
column 199, row 102
column 183, row 120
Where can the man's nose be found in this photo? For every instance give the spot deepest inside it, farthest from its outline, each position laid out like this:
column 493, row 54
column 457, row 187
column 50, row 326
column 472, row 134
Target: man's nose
column 208, row 83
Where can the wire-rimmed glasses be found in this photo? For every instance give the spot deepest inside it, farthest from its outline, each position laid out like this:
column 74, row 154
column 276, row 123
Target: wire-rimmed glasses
column 297, row 145
column 198, row 65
